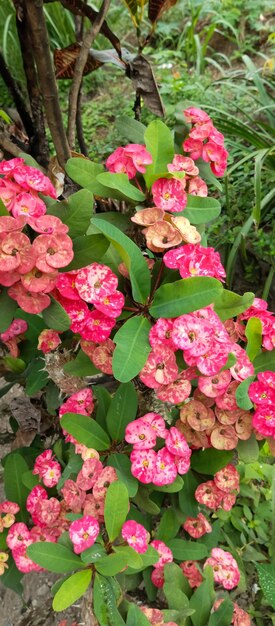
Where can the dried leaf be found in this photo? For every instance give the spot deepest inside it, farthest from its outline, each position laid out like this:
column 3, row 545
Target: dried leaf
column 141, row 74
column 157, row 7
column 65, row 58
column 56, row 175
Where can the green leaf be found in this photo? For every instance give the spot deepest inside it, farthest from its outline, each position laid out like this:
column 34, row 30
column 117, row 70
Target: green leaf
column 132, row 348
column 104, row 399
column 265, row 361
column 132, row 257
column 202, row 600
column 230, row 304
column 105, row 608
column 201, row 210
column 172, row 488
column 134, row 559
column 130, row 129
column 12, row 577
column 71, row 590
column 185, row 296
column 210, row 461
column 35, row 324
column 122, row 410
column 159, row 142
column 8, row 308
column 36, row 376
column 122, row 465
column 15, row 490
column 112, row 564
column 87, row 249
column 211, row 540
column 121, row 184
column 242, row 397
column 267, row 581
column 75, row 212
column 73, row 466
column 223, row 616
column 187, row 501
column 93, row 554
column 54, row 557
column 187, row 550
column 248, row 451
column 86, row 431
column 56, row 317
column 115, row 509
column 81, row 366
column 253, row 333
column 169, row 525
column 135, row 617
column 174, row 587
column 84, row 173
column 3, row 211
column 150, row 557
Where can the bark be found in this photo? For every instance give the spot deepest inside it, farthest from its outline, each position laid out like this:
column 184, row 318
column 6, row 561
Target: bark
column 45, row 71
column 38, row 142
column 17, row 97
column 6, row 144
column 79, row 68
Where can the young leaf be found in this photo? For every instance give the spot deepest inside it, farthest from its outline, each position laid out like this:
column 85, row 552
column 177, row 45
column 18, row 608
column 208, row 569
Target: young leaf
column 8, row 308
column 84, row 172
column 15, row 490
column 81, row 366
column 187, row 550
column 56, row 317
column 210, row 461
column 122, row 410
column 223, row 615
column 132, row 257
column 201, row 210
column 185, row 296
column 230, row 304
column 132, row 348
column 93, row 554
column 267, row 581
column 242, row 397
column 112, row 564
column 71, row 590
column 87, row 249
column 134, row 559
column 121, row 184
column 85, row 430
column 172, row 488
column 253, row 333
column 54, row 557
column 115, row 509
column 122, row 465
column 159, row 142
column 75, row 212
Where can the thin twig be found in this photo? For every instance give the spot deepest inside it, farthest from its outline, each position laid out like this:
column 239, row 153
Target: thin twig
column 42, row 55
column 78, row 7
column 79, row 68
column 16, row 96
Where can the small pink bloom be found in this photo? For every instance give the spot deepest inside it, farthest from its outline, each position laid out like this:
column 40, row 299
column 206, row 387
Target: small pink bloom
column 183, row 164
column 47, row 513
column 196, row 116
column 136, row 536
column 209, row 494
column 102, row 356
column 98, row 327
column 7, row 279
column 8, row 192
column 139, row 155
column 88, row 475
column 95, row 281
column 74, row 496
column 37, row 281
column 193, row 575
column 17, row 327
column 53, row 251
column 165, row 554
column 94, row 507
column 29, row 302
column 36, row 494
column 227, row 400
column 110, row 305
column 201, row 131
column 119, row 163
column 80, row 402
column 78, row 313
column 224, row 438
column 182, row 464
column 51, row 474
column 227, row 478
column 28, row 204
column 66, row 285
column 83, row 533
column 197, row 526
column 143, row 465
column 16, row 252
column 42, row 461
column 48, row 225
column 175, row 392
column 264, row 421
column 23, row 563
column 166, row 469
column 31, row 178
column 157, row 577
column 197, row 187
column 176, row 443
column 48, row 340
column 140, row 434
column 192, row 334
column 212, row 360
column 225, row 568
column 161, row 333
column 18, row 535
column 107, row 476
column 160, row 368
column 214, row 386
column 7, row 167
column 156, row 422
column 10, row 224
column 194, row 146
column 169, row 194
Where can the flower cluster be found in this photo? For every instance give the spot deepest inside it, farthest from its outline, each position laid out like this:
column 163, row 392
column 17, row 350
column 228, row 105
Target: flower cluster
column 192, row 573
column 262, row 394
column 19, row 188
column 259, row 310
column 80, row 402
column 155, row 617
column 48, row 470
column 161, row 467
column 95, row 284
column 221, row 491
column 225, row 568
column 205, row 141
column 136, row 536
column 195, row 260
column 83, row 533
column 129, row 160
column 165, row 556
column 239, row 617
column 198, row 526
column 163, row 230
column 48, row 340
column 13, row 335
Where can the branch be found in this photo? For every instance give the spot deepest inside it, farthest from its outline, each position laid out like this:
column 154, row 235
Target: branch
column 6, row 144
column 78, row 7
column 42, row 55
column 79, row 68
column 17, row 97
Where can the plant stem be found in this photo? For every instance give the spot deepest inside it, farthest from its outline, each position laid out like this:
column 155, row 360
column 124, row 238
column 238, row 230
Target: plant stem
column 268, row 283
column 158, row 279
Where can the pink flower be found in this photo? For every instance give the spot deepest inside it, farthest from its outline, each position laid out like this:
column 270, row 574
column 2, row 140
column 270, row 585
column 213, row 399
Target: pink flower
column 264, row 421
column 157, row 577
column 17, row 327
column 88, row 475
column 195, row 260
column 107, row 476
column 192, row 334
column 176, row 443
column 18, row 535
column 194, row 146
column 214, row 386
column 94, row 506
column 16, row 252
column 9, row 507
column 139, row 155
column 36, row 494
column 95, row 281
column 209, row 494
column 156, row 422
column 7, row 279
column 97, row 327
column 225, row 568
column 51, row 474
column 136, row 536
column 140, row 434
column 48, row 225
column 197, row 526
column 165, row 554
column 217, row 156
column 110, row 305
column 48, row 340
column 28, row 204
column 30, row 178
column 83, row 533
column 74, row 496
column 193, row 575
column 224, row 438
column 175, row 392
column 239, row 618
column 169, row 194
column 143, row 465
column 8, row 192
column 9, row 224
column 183, row 164
column 102, row 356
column 197, row 187
column 227, row 478
column 29, row 302
column 37, row 281
column 161, row 235
column 7, row 167
column 120, row 163
column 66, row 285
column 160, row 368
column 195, row 115
column 78, row 313
column 80, row 402
column 201, row 131
column 47, row 513
column 53, row 251
column 166, row 469
column 23, row 563
column 227, row 400
column 161, row 333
